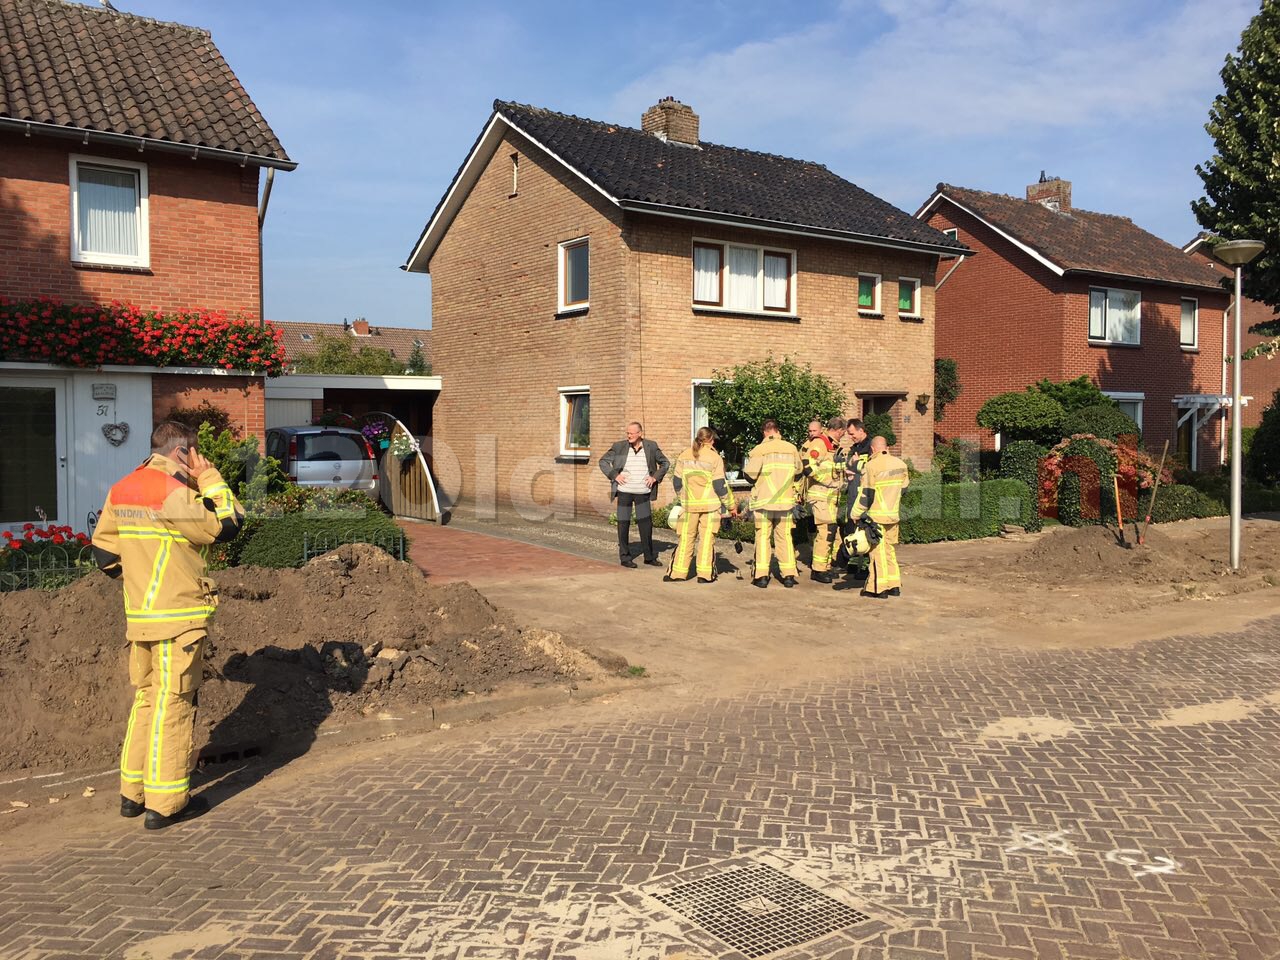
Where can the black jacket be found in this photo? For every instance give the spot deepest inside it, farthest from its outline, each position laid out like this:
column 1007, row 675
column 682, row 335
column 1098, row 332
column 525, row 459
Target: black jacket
column 615, row 461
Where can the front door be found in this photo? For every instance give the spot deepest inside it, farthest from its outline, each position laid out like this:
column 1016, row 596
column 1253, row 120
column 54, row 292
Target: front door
column 1185, row 440
column 33, row 460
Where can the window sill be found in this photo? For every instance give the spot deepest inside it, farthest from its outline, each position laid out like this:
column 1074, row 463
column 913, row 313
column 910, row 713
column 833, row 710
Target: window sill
column 111, row 267
column 1190, row 349
column 572, row 312
column 745, row 314
column 573, row 457
column 911, row 317
column 871, row 314
column 1114, row 343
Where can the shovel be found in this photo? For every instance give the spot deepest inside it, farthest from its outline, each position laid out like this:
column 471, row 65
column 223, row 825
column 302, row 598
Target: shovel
column 1115, row 480
column 1146, row 524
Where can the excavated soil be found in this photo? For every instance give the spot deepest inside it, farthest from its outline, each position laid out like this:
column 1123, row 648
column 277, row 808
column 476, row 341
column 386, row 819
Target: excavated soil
column 351, row 634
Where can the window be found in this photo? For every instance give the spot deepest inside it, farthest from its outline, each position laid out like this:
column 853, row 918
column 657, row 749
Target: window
column 575, row 274
column 515, row 174
column 908, row 297
column 868, row 293
column 418, row 343
column 109, row 212
column 1114, row 315
column 953, row 233
column 575, row 421
column 1190, row 335
column 1130, row 404
column 747, row 279
column 700, row 417
column 306, row 337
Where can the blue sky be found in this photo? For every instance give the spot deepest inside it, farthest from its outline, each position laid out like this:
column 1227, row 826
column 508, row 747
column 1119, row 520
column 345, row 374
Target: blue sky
column 379, row 102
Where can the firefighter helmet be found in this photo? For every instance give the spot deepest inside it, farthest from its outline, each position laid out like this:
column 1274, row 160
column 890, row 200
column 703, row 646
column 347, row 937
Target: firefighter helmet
column 674, row 514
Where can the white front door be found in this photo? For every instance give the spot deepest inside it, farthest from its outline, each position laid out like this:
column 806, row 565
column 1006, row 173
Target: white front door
column 33, row 461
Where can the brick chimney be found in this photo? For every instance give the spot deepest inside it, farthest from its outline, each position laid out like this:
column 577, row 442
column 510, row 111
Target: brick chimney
column 360, row 327
column 1051, row 192
column 671, row 120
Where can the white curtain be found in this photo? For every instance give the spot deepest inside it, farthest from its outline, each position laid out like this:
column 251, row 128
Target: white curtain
column 108, row 206
column 1189, row 310
column 777, row 277
column 700, row 416
column 706, row 274
column 1124, row 308
column 744, row 266
column 1098, row 314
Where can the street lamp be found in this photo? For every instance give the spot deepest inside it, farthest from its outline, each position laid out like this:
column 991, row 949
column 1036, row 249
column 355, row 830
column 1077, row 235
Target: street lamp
column 1236, row 253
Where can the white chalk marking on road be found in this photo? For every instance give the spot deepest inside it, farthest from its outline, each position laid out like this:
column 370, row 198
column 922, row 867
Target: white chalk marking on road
column 1035, row 842
column 90, row 776
column 1136, row 860
column 37, row 776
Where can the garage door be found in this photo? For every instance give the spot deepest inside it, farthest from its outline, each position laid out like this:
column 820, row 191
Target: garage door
column 288, row 413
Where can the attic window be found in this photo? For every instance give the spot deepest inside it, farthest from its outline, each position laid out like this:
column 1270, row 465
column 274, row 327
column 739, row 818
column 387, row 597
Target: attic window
column 306, row 337
column 418, row 343
column 515, row 174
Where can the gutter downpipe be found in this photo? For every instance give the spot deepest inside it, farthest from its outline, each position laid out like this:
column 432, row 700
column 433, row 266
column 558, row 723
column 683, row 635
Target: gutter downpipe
column 961, row 259
column 261, row 219
column 1222, row 424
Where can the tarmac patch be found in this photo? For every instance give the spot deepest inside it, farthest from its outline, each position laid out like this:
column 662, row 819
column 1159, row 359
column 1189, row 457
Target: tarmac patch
column 1035, row 729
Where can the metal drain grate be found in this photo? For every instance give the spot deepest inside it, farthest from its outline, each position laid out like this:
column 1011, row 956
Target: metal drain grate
column 758, row 910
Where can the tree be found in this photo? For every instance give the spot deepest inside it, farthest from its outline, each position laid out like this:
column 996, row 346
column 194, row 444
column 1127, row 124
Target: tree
column 339, row 355
column 1262, row 463
column 946, row 384
column 1242, row 190
column 1104, row 420
column 741, row 399
column 1073, row 394
column 880, row 425
column 1023, row 416
column 417, row 365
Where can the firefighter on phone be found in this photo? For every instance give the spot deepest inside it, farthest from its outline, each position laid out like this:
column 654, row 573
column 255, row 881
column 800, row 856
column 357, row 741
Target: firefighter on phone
column 824, row 479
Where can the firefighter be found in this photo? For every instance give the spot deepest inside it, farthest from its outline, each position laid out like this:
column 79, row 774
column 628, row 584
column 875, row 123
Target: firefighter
column 774, row 466
column 702, row 492
column 883, row 481
column 151, row 532
column 823, row 481
column 854, row 449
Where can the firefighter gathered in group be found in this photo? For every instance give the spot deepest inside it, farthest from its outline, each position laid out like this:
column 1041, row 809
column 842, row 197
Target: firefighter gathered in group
column 823, row 481
column 701, row 494
column 774, row 466
column 152, row 531
column 884, row 479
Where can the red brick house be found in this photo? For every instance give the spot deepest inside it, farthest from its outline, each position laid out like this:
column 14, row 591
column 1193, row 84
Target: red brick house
column 1259, row 377
column 130, row 163
column 585, row 274
column 1058, row 292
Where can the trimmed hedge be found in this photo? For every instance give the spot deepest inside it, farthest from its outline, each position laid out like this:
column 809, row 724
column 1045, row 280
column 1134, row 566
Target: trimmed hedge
column 1020, row 460
column 1181, row 502
column 880, row 425
column 932, row 512
column 1101, row 420
column 277, row 541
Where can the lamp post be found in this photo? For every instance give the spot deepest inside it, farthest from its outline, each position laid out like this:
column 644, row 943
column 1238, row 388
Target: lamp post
column 1236, row 253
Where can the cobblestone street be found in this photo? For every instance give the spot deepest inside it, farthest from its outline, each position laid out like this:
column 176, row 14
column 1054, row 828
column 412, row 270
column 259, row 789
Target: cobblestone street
column 1108, row 803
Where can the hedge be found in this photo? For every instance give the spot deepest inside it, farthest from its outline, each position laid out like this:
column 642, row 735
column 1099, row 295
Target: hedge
column 962, row 511
column 1181, row 502
column 278, row 541
column 1020, row 460
column 1101, row 420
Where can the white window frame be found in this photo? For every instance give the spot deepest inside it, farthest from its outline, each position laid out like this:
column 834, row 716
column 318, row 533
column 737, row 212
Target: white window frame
column 760, row 250
column 953, row 233
column 143, row 259
column 562, row 306
column 566, row 451
column 916, row 305
column 1106, row 324
column 694, row 384
column 1139, row 398
column 876, row 307
column 1194, row 345
column 515, row 175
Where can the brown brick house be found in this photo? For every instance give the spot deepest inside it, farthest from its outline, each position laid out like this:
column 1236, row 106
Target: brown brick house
column 1259, row 377
column 130, row 162
column 1059, row 292
column 585, row 274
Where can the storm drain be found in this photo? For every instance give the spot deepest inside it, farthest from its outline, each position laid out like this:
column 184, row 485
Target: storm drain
column 758, row 910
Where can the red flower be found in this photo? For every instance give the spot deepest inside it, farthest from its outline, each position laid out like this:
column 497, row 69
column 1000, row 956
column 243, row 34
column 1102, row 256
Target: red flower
column 59, row 539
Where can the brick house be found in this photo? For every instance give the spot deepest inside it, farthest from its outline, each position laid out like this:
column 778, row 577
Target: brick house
column 1259, row 377
column 1059, row 292
column 585, row 274
column 130, row 162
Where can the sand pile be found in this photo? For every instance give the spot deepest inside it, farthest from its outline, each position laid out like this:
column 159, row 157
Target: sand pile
column 352, row 633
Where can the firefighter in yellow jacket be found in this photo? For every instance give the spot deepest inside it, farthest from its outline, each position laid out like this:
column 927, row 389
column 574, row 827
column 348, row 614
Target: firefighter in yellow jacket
column 152, row 532
column 774, row 465
column 823, row 481
column 701, row 491
column 883, row 480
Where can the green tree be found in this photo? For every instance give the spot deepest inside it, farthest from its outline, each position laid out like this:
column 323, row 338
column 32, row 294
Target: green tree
column 417, row 365
column 1242, row 189
column 946, row 384
column 339, row 355
column 1262, row 463
column 1023, row 416
column 880, row 425
column 1073, row 394
column 744, row 397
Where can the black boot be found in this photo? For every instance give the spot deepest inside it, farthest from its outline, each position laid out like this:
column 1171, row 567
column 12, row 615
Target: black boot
column 760, row 582
column 820, row 576
column 194, row 808
column 789, row 582
column 131, row 808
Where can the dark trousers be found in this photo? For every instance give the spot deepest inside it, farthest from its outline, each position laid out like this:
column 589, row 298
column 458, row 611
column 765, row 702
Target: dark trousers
column 640, row 503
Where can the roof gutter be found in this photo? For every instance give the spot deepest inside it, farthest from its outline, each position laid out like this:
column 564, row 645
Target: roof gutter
column 142, row 144
column 1177, row 284
column 775, row 226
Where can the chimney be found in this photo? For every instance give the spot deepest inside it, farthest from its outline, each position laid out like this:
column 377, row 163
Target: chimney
column 671, row 120
column 360, row 327
column 1051, row 192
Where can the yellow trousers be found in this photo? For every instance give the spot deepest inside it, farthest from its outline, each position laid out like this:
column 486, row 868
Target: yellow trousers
column 773, row 535
column 825, row 525
column 158, row 754
column 697, row 532
column 885, row 573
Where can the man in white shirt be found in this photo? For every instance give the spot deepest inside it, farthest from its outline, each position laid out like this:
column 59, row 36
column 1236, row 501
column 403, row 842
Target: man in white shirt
column 635, row 466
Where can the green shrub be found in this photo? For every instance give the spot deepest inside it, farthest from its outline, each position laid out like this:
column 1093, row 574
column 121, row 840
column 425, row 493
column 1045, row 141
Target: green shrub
column 292, row 499
column 933, row 511
column 1101, row 420
column 195, row 417
column 247, row 472
column 1255, row 498
column 1020, row 460
column 742, row 398
column 880, row 425
column 956, row 460
column 1073, row 394
column 1070, row 512
column 946, row 385
column 1262, row 464
column 1182, row 502
column 278, row 541
column 1023, row 416
column 1094, row 494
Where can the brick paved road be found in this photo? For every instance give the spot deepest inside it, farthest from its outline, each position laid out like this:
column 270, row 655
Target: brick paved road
column 1040, row 805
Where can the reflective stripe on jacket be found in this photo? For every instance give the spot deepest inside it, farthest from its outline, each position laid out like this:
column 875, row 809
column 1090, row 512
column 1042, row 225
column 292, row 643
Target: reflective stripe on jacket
column 883, row 480
column 824, row 474
column 775, row 467
column 151, row 531
column 700, row 482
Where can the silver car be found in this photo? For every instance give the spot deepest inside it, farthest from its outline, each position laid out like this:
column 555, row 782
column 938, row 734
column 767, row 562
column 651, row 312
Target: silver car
column 325, row 457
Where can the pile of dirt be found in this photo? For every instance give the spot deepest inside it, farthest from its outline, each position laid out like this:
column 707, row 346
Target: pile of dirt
column 352, row 633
